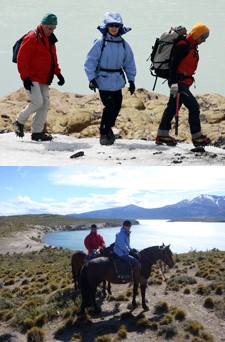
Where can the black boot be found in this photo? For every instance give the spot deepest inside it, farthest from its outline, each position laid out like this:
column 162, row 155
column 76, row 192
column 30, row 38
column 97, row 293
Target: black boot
column 18, row 129
column 41, row 137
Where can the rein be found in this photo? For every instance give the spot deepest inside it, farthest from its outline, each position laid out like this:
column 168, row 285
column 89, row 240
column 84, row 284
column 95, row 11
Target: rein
column 162, row 268
column 161, row 263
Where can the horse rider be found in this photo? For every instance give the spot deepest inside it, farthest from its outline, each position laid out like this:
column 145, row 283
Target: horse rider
column 122, row 249
column 94, row 243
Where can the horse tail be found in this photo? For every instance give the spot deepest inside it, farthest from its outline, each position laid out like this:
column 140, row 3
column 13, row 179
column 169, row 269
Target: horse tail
column 84, row 287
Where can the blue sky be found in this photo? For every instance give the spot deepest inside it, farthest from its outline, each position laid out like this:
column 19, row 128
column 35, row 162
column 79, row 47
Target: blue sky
column 65, row 190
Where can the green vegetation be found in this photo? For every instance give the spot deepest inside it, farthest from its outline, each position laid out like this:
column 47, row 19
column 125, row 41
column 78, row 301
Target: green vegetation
column 12, row 224
column 37, row 291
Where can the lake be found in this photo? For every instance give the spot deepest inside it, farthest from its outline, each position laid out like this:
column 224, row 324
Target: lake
column 77, row 23
column 182, row 236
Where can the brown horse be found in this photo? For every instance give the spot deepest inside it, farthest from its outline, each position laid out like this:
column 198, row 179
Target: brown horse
column 103, row 268
column 78, row 259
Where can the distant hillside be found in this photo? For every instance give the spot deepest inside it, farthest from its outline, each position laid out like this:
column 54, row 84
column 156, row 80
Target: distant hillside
column 203, row 207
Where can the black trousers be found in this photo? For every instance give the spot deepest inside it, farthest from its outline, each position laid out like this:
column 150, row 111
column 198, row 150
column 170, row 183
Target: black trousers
column 112, row 101
column 190, row 102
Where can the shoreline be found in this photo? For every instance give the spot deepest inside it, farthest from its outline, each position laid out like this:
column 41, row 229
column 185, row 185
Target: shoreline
column 23, row 242
column 33, row 239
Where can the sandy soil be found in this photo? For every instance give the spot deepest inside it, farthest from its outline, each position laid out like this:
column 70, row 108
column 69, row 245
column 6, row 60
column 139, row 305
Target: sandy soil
column 22, row 242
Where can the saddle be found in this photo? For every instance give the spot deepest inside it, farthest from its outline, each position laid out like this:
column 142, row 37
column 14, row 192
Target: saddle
column 92, row 255
column 122, row 267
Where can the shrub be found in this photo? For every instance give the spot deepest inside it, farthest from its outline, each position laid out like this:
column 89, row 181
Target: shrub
column 169, row 331
column 193, row 327
column 202, row 290
column 167, row 319
column 187, row 290
column 161, row 307
column 35, row 335
column 219, row 290
column 6, row 315
column 209, row 303
column 104, row 338
column 180, row 315
column 41, row 319
column 27, row 324
column 122, row 332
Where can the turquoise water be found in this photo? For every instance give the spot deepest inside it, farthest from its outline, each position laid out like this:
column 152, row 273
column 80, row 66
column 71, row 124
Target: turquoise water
column 183, row 236
column 77, row 22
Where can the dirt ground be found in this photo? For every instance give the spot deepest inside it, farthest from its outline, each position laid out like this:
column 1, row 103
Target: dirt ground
column 118, row 313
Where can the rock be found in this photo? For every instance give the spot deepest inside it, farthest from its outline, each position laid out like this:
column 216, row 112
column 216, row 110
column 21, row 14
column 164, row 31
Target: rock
column 80, row 115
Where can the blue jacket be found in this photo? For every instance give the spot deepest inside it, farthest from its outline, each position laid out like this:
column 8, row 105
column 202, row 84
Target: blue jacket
column 122, row 243
column 113, row 56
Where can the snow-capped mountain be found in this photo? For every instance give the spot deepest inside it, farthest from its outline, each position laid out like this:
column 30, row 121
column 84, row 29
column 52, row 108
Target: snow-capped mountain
column 204, row 207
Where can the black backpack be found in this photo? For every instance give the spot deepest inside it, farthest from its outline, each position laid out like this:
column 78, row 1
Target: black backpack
column 162, row 52
column 17, row 44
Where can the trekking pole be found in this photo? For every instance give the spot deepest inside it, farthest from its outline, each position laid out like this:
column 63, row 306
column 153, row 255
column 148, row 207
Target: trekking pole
column 177, row 113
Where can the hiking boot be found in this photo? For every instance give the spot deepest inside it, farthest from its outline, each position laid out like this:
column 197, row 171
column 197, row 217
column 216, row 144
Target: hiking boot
column 168, row 140
column 111, row 135
column 41, row 137
column 18, row 129
column 105, row 140
column 201, row 141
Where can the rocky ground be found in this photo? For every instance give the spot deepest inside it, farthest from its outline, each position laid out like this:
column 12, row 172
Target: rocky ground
column 79, row 115
column 74, row 119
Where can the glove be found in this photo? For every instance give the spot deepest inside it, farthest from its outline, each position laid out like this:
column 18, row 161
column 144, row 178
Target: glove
column 27, row 83
column 93, row 85
column 61, row 80
column 174, row 89
column 131, row 87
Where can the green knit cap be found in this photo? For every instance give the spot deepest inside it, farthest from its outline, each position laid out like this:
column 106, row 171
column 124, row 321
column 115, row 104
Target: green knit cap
column 49, row 19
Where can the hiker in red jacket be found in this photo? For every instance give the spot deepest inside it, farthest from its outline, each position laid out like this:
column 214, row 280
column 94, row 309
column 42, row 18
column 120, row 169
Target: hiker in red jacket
column 94, row 242
column 37, row 64
column 183, row 65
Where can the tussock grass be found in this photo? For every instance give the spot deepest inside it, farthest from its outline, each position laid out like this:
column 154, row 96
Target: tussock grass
column 37, row 289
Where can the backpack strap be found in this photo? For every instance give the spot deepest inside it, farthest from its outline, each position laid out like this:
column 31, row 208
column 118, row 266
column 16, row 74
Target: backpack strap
column 104, row 43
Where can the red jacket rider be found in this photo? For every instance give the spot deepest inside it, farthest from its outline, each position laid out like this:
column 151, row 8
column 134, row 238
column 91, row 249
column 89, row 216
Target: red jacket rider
column 93, row 240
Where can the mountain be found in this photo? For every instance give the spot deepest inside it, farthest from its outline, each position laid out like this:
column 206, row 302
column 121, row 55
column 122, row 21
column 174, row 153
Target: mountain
column 203, row 207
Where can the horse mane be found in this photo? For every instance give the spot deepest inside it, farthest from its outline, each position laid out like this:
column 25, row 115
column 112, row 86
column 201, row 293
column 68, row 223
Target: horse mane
column 147, row 249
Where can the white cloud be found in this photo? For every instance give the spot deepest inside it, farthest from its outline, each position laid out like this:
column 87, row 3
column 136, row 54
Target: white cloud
column 135, row 179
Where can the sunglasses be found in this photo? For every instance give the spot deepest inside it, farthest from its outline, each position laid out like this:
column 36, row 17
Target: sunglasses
column 114, row 25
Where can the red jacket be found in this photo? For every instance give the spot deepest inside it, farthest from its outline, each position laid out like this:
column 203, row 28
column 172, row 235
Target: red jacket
column 184, row 62
column 37, row 57
column 93, row 241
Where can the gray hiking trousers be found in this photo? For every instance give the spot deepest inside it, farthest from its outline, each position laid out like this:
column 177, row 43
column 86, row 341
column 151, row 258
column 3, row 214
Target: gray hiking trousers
column 38, row 106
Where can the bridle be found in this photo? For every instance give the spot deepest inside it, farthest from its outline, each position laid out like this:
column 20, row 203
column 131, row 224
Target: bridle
column 164, row 257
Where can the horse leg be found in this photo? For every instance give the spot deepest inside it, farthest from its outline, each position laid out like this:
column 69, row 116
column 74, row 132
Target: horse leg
column 143, row 290
column 97, row 308
column 109, row 288
column 135, row 290
column 103, row 288
column 75, row 284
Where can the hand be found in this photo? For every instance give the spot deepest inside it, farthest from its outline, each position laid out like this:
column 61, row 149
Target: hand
column 131, row 87
column 61, row 80
column 93, row 85
column 27, row 83
column 174, row 89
